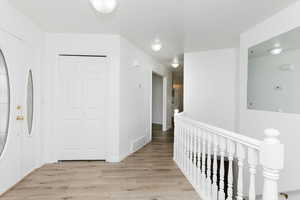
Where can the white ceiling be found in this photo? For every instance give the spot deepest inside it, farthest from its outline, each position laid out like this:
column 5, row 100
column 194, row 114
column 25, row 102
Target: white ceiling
column 211, row 24
column 182, row 25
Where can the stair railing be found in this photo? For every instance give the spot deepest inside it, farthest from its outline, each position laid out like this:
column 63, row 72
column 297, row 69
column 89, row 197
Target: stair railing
column 208, row 155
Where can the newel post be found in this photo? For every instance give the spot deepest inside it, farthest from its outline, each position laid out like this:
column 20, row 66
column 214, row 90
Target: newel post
column 272, row 159
column 176, row 142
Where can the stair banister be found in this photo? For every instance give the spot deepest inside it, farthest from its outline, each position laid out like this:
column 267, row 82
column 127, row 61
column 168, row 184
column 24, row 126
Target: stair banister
column 199, row 147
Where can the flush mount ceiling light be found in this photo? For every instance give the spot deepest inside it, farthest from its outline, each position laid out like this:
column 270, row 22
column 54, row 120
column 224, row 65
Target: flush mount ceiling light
column 276, row 51
column 175, row 63
column 156, row 45
column 104, row 6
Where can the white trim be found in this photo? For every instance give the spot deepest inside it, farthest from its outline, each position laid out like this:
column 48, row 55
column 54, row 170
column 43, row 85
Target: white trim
column 165, row 101
column 25, row 105
column 165, row 104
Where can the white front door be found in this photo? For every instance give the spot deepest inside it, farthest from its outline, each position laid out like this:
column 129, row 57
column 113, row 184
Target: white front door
column 29, row 154
column 82, row 107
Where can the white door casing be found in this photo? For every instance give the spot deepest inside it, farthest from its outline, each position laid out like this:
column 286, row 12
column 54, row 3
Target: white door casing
column 82, row 107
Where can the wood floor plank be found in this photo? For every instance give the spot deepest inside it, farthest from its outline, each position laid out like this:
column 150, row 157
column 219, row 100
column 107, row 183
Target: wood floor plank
column 149, row 174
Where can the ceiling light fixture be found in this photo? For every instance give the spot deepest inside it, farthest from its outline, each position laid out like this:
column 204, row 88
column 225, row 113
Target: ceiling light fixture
column 104, row 6
column 175, row 63
column 276, row 51
column 156, row 45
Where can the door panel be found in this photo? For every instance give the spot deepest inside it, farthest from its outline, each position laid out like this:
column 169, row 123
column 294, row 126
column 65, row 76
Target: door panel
column 82, row 99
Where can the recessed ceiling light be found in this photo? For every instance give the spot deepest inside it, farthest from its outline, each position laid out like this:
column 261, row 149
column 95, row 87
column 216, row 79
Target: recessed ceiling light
column 276, row 51
column 175, row 63
column 104, row 6
column 156, row 45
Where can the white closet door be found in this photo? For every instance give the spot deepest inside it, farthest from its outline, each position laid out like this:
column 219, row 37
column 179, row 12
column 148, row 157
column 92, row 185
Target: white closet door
column 82, row 104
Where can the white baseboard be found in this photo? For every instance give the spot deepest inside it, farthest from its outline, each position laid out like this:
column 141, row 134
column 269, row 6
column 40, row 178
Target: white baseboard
column 138, row 144
column 116, row 159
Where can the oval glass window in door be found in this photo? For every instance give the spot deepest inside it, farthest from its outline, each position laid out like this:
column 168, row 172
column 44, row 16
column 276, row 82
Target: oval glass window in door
column 4, row 102
column 29, row 102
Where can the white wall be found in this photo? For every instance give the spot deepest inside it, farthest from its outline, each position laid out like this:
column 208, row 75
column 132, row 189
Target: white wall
column 253, row 123
column 26, row 47
column 130, row 109
column 21, row 43
column 79, row 44
column 210, row 87
column 135, row 95
column 157, row 99
column 261, row 90
column 130, row 88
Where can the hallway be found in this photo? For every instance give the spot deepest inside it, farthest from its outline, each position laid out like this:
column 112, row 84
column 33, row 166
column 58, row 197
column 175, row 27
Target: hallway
column 149, row 174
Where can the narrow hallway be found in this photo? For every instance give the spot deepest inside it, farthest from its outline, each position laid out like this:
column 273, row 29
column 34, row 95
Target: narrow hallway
column 149, row 174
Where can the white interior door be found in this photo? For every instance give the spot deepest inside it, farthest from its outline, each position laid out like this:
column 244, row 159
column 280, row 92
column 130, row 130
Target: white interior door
column 82, row 104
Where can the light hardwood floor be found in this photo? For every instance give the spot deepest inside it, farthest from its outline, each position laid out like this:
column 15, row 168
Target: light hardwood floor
column 149, row 174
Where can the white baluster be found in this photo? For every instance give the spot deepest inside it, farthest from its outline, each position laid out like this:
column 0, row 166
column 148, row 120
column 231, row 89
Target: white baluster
column 199, row 157
column 192, row 156
column 190, row 153
column 177, row 144
column 231, row 151
column 252, row 161
column 241, row 157
column 176, row 136
column 272, row 159
column 195, row 156
column 182, row 148
column 221, row 193
column 179, row 140
column 185, row 151
column 203, row 172
column 208, row 179
column 215, row 169
column 175, row 147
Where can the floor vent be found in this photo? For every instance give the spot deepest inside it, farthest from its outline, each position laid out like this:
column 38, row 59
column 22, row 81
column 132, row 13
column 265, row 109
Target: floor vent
column 138, row 144
column 284, row 196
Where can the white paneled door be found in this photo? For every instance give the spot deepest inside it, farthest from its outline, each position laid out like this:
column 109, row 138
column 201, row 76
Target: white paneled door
column 82, row 107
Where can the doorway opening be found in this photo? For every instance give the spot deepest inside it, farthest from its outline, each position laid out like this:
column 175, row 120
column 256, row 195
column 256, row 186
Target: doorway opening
column 178, row 89
column 157, row 105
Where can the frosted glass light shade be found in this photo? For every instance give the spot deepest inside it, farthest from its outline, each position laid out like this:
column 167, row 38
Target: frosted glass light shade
column 104, row 6
column 156, row 45
column 276, row 51
column 175, row 63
